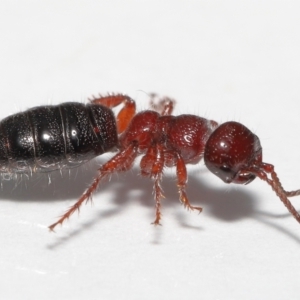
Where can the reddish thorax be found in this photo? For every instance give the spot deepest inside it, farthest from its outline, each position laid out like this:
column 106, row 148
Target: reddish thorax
column 185, row 135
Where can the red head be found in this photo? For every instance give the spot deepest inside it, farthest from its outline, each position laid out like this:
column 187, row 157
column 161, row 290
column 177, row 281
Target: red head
column 231, row 152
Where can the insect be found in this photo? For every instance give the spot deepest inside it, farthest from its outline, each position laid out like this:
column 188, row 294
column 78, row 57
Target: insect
column 46, row 138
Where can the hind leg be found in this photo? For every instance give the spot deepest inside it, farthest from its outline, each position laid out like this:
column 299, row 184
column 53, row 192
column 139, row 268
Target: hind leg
column 120, row 162
column 126, row 113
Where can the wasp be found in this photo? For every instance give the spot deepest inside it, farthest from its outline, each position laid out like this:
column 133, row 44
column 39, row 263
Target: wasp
column 46, row 138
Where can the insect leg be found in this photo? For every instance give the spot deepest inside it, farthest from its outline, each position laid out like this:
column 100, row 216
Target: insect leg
column 164, row 106
column 152, row 165
column 126, row 113
column 181, row 183
column 120, row 162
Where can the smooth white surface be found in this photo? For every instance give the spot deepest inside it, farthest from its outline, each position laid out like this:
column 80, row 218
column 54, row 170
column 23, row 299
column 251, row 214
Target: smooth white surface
column 225, row 60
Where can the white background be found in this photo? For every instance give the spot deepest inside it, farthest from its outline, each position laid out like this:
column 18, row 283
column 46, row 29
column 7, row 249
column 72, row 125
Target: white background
column 225, row 60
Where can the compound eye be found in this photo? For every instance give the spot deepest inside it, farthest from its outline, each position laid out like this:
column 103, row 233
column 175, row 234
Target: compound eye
column 226, row 173
column 225, row 169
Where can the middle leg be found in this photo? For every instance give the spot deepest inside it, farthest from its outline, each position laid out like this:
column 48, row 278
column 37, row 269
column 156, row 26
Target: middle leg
column 152, row 165
column 163, row 106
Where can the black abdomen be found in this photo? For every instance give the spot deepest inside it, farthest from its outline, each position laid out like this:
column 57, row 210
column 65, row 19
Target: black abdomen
column 50, row 137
